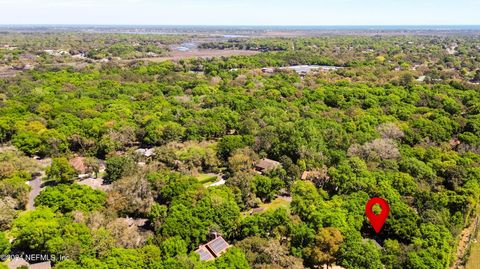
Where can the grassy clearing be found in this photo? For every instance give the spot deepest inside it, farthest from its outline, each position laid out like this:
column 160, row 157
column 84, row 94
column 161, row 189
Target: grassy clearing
column 206, row 178
column 277, row 203
column 474, row 258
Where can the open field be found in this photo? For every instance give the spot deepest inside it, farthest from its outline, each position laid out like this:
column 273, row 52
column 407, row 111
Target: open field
column 474, row 261
column 202, row 53
column 474, row 258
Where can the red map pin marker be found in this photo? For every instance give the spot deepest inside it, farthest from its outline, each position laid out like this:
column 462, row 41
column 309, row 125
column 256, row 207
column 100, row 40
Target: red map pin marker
column 377, row 221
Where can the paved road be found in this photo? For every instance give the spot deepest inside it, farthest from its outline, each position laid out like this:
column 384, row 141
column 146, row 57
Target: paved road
column 36, row 186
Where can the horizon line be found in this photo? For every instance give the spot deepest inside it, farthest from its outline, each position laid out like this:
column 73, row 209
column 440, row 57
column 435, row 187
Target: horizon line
column 237, row 25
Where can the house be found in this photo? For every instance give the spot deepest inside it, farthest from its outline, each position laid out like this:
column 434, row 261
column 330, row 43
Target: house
column 18, row 262
column 78, row 163
column 213, row 249
column 95, row 183
column 22, row 67
column 265, row 165
column 305, row 175
column 454, row 142
column 145, row 152
column 421, row 78
column 131, row 222
column 87, row 168
column 257, row 210
column 332, row 267
column 42, row 265
column 268, row 70
column 318, row 177
column 22, row 263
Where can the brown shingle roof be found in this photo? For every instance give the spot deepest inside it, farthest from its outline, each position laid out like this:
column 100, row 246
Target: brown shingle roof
column 266, row 165
column 15, row 263
column 79, row 164
column 42, row 265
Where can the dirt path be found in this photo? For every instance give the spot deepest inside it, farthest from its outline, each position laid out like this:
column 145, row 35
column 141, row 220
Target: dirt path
column 464, row 243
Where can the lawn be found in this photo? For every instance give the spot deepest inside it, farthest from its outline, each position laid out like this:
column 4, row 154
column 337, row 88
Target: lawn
column 277, row 203
column 474, row 259
column 207, row 178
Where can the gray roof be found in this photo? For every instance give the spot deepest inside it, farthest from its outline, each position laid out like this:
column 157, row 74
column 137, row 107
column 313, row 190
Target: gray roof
column 212, row 249
column 204, row 253
column 217, row 246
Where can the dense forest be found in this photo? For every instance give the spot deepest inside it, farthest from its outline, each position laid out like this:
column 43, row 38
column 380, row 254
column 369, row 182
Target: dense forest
column 399, row 119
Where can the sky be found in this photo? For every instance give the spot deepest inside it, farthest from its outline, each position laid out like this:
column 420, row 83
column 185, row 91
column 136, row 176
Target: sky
column 241, row 12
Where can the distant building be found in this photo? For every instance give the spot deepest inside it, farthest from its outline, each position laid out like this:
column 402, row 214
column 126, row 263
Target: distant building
column 16, row 263
column 131, row 222
column 145, row 152
column 265, row 165
column 213, row 249
column 421, row 78
column 22, row 67
column 42, row 265
column 268, row 70
column 305, row 175
column 78, row 163
column 318, row 177
column 256, row 210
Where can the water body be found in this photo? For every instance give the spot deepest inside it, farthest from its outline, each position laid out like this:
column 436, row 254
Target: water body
column 304, row 69
column 187, row 46
column 308, row 68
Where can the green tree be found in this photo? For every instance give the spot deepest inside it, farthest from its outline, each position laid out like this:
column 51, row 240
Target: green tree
column 181, row 221
column 266, row 188
column 234, row 258
column 74, row 241
column 218, row 207
column 432, row 249
column 327, row 244
column 228, row 144
column 34, row 229
column 265, row 224
column 266, row 253
column 61, row 171
column 172, row 247
column 356, row 253
column 118, row 167
column 4, row 244
column 476, row 78
column 119, row 258
column 67, row 198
